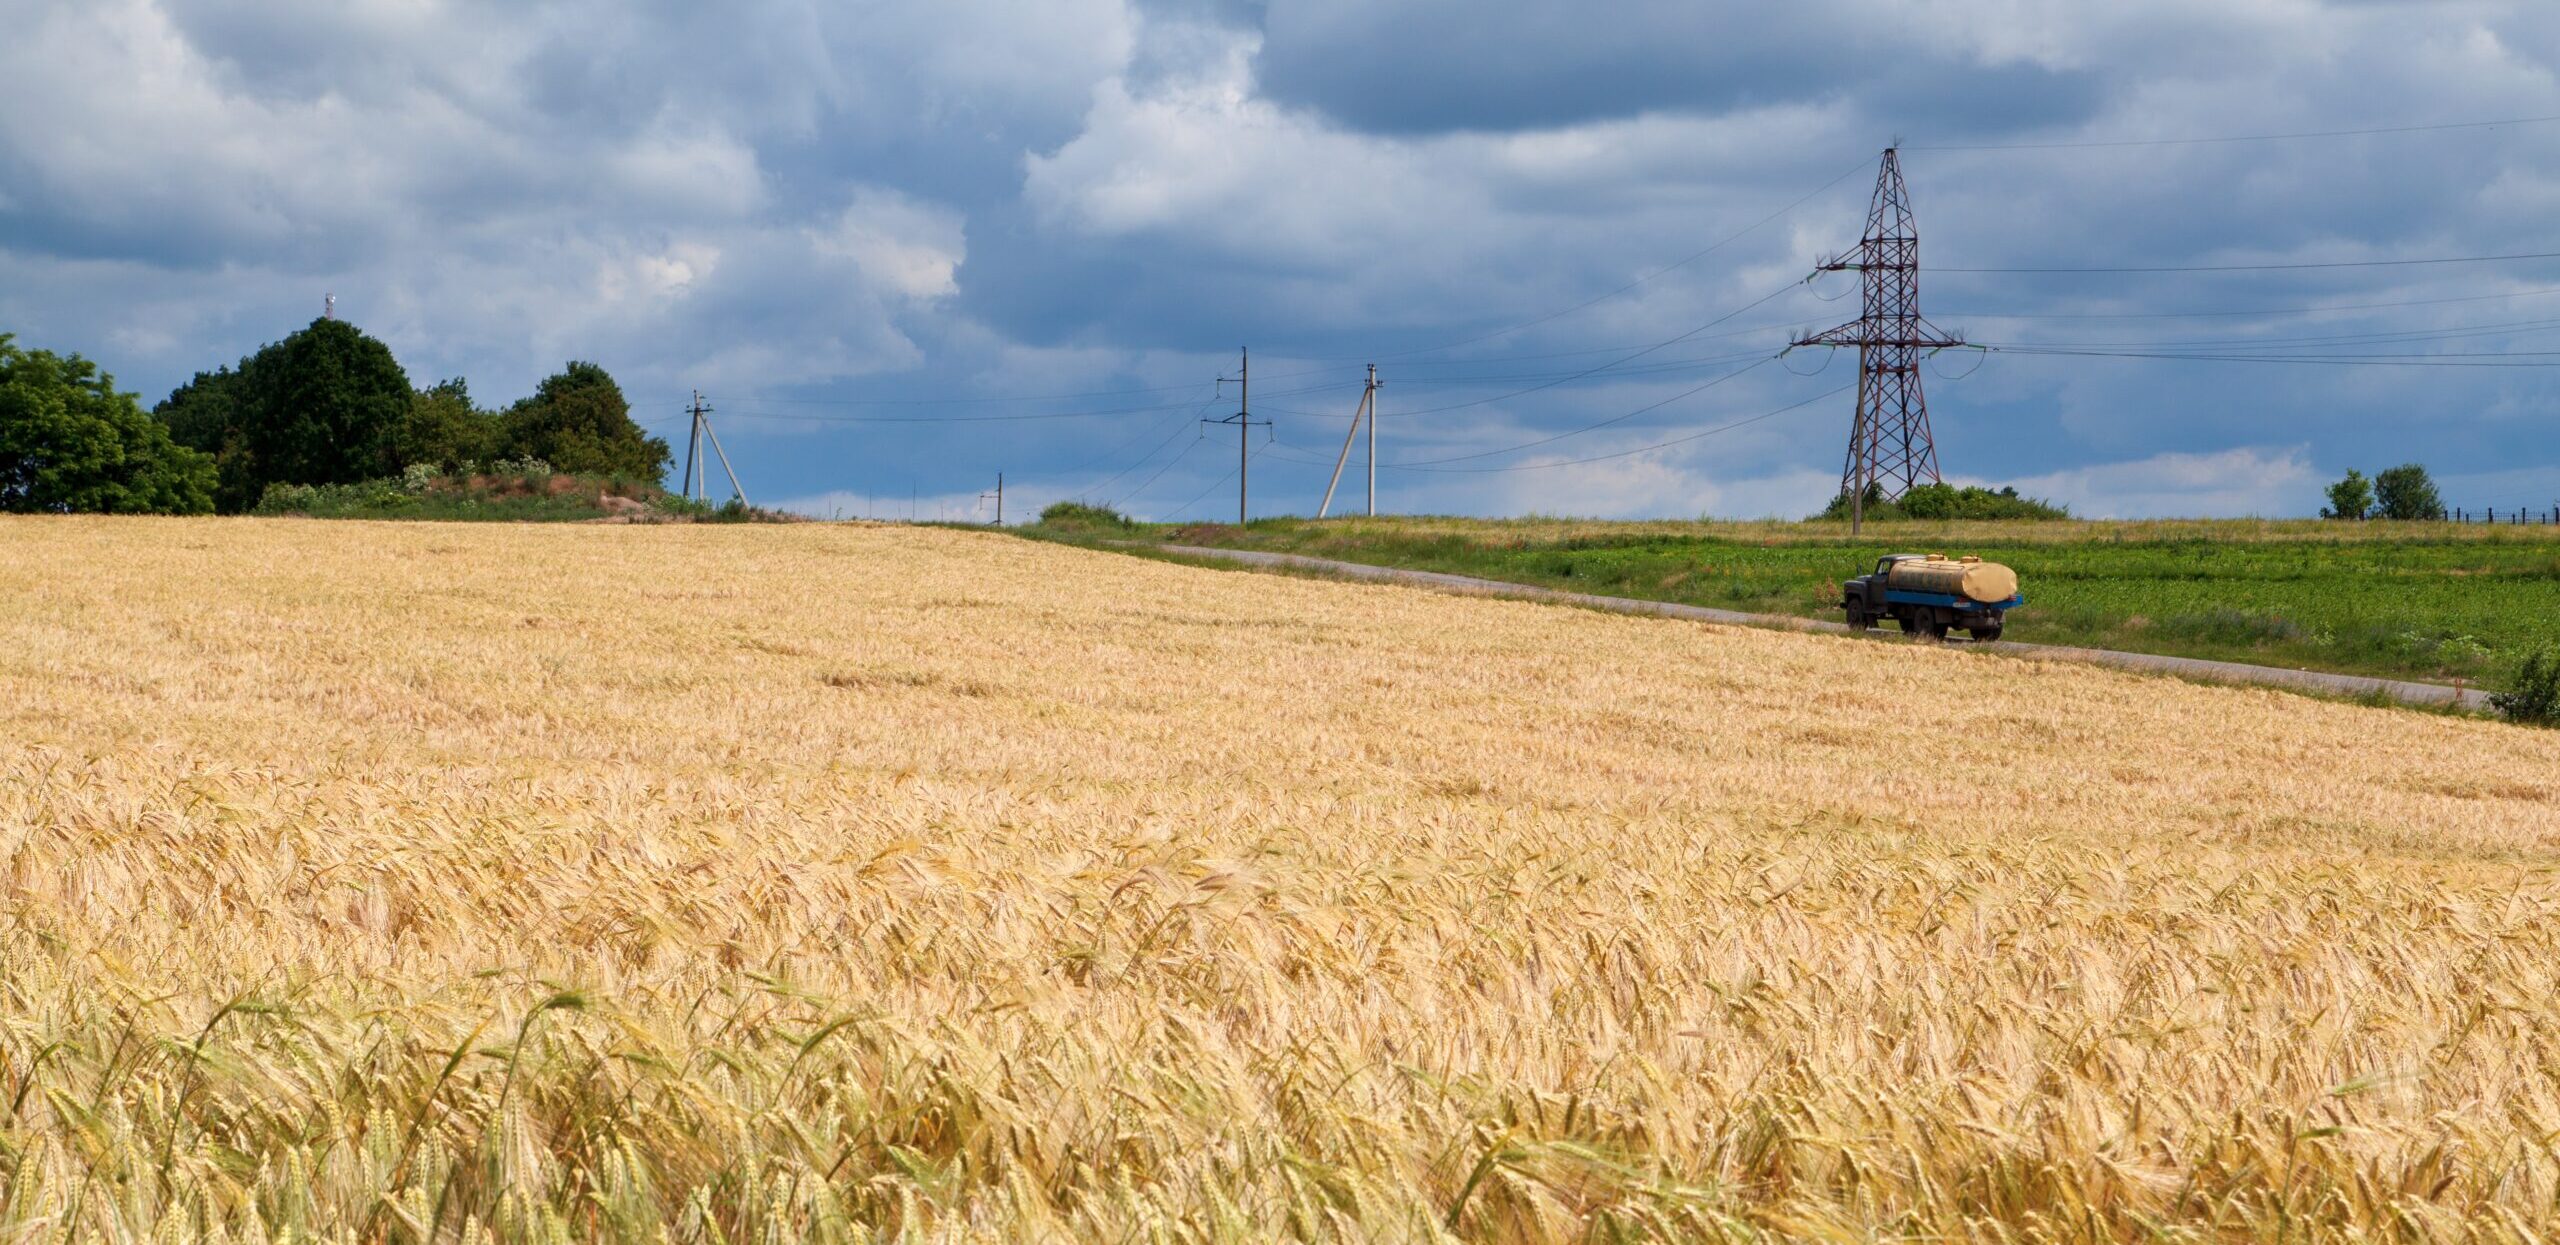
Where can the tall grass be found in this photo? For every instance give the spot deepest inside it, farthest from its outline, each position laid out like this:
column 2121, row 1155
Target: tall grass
column 392, row 882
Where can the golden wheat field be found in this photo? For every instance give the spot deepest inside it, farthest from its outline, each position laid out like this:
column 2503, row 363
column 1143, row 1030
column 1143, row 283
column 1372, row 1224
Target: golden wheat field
column 376, row 882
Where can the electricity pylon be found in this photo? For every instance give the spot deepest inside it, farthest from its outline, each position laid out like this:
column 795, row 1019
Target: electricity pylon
column 1889, row 444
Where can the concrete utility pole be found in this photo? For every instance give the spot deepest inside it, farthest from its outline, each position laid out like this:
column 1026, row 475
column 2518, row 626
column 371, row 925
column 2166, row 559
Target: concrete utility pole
column 1244, row 421
column 1373, row 440
column 1368, row 409
column 700, row 434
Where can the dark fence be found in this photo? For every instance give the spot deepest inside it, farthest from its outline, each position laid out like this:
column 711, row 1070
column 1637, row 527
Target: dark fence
column 2519, row 516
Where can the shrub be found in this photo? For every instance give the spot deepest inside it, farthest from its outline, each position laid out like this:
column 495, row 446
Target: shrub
column 363, row 498
column 1947, row 501
column 2534, row 700
column 529, row 469
column 1076, row 514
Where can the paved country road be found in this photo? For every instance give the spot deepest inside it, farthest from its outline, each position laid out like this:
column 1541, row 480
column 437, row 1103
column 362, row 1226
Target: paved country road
column 2190, row 667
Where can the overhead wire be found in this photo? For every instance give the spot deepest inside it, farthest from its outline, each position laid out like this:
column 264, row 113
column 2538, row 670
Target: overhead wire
column 1214, row 485
column 2267, row 312
column 1605, row 367
column 1133, row 494
column 2231, row 138
column 2448, row 333
column 2285, row 267
column 1115, row 451
column 1675, row 265
column 2480, row 359
column 1646, row 449
column 1615, row 419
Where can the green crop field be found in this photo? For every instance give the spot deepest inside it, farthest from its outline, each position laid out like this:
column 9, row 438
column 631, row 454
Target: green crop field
column 2430, row 601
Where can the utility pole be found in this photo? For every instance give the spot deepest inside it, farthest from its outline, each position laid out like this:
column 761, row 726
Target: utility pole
column 1889, row 441
column 998, row 494
column 1373, row 440
column 1244, row 421
column 1368, row 409
column 692, row 443
column 700, row 435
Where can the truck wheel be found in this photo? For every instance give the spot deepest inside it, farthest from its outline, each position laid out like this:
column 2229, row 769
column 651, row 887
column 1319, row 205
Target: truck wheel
column 1986, row 634
column 1860, row 620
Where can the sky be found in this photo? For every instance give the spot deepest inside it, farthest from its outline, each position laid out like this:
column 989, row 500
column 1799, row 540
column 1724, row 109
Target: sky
column 903, row 247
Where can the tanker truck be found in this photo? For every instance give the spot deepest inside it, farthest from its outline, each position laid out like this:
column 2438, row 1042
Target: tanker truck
column 1930, row 593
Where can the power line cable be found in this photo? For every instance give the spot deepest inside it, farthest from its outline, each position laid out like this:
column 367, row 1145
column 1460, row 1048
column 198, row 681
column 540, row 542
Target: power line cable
column 1219, row 483
column 1019, row 397
column 1133, row 494
column 750, row 412
column 1673, row 266
column 1646, row 449
column 2450, row 333
column 2270, row 312
column 2484, row 359
column 2233, row 138
column 1614, row 419
column 1116, row 450
column 2339, row 263
column 1605, row 367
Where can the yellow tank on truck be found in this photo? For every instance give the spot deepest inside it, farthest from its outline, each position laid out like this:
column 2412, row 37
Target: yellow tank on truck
column 1970, row 578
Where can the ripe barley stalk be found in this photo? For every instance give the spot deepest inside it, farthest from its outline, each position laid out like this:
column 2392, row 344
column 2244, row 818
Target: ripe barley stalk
column 375, row 882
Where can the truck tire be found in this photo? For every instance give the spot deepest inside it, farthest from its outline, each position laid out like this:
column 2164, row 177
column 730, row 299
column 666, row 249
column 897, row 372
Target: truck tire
column 1986, row 634
column 1860, row 620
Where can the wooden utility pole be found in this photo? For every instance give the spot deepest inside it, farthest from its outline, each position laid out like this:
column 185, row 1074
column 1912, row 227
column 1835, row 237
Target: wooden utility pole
column 1244, row 421
column 998, row 495
column 1368, row 409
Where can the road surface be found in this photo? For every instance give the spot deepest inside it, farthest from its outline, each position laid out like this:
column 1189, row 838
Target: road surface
column 2189, row 667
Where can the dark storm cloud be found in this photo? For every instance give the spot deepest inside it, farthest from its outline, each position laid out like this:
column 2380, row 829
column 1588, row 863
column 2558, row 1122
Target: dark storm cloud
column 1442, row 65
column 809, row 209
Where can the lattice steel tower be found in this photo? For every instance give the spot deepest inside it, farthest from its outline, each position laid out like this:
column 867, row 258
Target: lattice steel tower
column 1889, row 444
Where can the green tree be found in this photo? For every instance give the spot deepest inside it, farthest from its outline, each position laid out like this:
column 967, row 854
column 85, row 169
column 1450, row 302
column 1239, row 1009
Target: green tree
column 2350, row 498
column 204, row 414
column 70, row 442
column 327, row 405
column 2406, row 492
column 443, row 429
column 578, row 422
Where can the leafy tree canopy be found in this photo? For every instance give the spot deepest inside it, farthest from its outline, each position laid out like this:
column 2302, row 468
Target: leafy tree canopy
column 70, row 442
column 2350, row 498
column 444, row 430
column 327, row 405
column 578, row 422
column 2406, row 492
